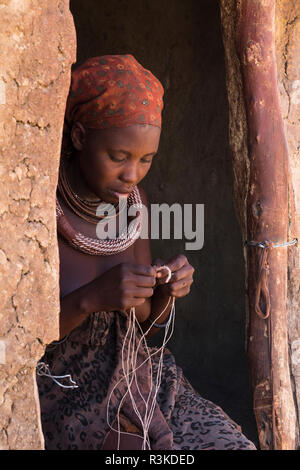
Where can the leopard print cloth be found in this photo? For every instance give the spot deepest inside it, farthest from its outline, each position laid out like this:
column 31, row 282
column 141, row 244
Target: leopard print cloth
column 77, row 418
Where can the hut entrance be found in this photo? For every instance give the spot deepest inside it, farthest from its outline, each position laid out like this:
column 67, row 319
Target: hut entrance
column 181, row 43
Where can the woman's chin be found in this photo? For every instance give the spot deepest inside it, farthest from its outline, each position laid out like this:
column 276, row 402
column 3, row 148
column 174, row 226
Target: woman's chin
column 115, row 197
column 107, row 197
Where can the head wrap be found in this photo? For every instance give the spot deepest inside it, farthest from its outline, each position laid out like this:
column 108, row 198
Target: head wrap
column 113, row 91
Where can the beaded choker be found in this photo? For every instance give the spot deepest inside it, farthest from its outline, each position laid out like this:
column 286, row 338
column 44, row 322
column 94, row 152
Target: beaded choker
column 95, row 246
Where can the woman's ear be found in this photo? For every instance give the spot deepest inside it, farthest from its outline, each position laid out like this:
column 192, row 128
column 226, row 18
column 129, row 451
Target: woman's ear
column 78, row 135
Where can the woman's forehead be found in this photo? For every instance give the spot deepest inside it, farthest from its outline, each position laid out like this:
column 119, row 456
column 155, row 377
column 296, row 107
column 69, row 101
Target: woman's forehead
column 131, row 136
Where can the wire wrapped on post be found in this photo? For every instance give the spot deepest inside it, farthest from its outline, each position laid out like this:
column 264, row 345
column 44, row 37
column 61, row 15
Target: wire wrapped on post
column 263, row 272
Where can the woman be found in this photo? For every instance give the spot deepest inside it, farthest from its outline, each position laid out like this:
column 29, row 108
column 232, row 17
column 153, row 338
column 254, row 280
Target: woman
column 111, row 135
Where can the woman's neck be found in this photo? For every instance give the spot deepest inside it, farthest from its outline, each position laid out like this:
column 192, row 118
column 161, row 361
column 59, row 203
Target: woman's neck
column 78, row 182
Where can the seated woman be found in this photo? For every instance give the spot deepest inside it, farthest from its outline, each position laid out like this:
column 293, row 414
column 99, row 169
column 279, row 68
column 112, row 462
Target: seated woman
column 111, row 135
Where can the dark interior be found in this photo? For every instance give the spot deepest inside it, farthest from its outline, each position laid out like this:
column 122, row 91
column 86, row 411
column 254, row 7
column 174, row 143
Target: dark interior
column 180, row 42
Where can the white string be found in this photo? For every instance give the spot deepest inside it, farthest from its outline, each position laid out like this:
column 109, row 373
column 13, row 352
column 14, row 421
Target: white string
column 160, row 363
column 43, row 370
column 159, row 375
column 146, row 422
column 144, row 334
column 129, row 366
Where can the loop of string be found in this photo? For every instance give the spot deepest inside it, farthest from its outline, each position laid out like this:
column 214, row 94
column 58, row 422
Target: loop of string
column 263, row 272
column 166, row 268
column 43, row 369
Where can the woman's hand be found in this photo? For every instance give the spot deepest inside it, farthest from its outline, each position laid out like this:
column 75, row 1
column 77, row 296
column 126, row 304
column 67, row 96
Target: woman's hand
column 121, row 287
column 182, row 276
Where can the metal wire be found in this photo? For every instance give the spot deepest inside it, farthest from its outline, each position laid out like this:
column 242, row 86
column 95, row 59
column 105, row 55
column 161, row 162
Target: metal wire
column 275, row 245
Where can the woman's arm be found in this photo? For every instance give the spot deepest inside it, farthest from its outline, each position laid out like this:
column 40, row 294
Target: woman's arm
column 73, row 311
column 121, row 287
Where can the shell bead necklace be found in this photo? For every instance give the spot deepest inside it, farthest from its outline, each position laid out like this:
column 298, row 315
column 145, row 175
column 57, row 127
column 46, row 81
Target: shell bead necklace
column 89, row 245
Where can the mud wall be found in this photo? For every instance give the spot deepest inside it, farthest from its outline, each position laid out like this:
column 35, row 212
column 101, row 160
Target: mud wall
column 38, row 45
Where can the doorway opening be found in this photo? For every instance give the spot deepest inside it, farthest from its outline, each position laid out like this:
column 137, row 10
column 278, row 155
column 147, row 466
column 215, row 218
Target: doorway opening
column 181, row 43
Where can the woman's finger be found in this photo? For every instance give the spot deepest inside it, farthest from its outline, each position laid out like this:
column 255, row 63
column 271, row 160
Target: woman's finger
column 181, row 283
column 143, row 281
column 185, row 271
column 141, row 292
column 178, row 293
column 182, row 293
column 173, row 288
column 177, row 262
column 141, row 269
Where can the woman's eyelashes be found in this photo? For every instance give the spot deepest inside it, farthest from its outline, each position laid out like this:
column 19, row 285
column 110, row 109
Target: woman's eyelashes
column 124, row 159
column 117, row 159
column 146, row 160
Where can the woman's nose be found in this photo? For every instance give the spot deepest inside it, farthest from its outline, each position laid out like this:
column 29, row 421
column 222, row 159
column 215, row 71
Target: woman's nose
column 129, row 174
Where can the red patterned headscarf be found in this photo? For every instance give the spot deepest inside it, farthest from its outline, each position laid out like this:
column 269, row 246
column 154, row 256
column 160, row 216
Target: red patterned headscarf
column 113, row 91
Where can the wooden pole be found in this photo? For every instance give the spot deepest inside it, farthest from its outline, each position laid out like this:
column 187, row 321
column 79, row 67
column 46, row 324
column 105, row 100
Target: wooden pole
column 267, row 219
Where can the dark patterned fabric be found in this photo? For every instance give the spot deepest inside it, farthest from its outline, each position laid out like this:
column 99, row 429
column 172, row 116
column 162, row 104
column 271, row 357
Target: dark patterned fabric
column 76, row 418
column 113, row 91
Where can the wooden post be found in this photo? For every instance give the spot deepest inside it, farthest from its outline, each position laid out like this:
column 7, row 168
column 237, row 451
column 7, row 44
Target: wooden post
column 267, row 219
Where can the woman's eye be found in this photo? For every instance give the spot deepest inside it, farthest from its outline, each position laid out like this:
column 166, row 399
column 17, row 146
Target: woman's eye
column 115, row 159
column 146, row 161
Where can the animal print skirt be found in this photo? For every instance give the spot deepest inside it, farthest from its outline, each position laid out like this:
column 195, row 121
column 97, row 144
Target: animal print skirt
column 77, row 418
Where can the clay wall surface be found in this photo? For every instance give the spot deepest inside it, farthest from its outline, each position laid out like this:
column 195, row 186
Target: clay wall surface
column 38, row 45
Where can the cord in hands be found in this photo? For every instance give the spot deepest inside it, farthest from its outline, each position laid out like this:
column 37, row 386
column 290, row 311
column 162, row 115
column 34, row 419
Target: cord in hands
column 181, row 279
column 133, row 343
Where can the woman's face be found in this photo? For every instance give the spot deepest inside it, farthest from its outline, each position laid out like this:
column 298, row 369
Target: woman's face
column 113, row 161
